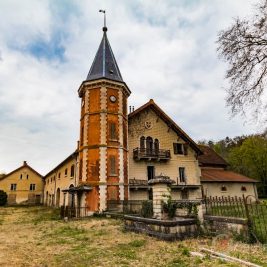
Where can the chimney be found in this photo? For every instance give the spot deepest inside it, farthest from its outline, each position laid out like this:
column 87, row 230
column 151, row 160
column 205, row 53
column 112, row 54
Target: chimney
column 133, row 108
column 78, row 144
column 130, row 109
column 24, row 163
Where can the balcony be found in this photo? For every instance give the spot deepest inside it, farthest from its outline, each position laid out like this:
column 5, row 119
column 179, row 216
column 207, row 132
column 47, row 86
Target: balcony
column 151, row 154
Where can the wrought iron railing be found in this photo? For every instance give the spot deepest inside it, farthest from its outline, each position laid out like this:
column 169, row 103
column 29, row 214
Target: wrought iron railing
column 143, row 153
column 137, row 182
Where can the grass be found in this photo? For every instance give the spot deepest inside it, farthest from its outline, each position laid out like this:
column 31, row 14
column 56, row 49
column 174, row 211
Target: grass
column 36, row 237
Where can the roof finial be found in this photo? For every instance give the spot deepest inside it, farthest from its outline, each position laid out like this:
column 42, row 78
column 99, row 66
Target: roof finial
column 104, row 12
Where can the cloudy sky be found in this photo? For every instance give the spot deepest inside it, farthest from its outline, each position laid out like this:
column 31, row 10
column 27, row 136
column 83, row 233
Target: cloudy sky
column 165, row 49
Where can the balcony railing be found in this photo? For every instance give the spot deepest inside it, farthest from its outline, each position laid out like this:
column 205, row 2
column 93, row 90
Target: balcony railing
column 156, row 154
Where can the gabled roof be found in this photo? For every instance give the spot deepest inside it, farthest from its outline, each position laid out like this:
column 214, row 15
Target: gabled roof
column 21, row 167
column 152, row 105
column 210, row 158
column 220, row 175
column 70, row 157
column 104, row 64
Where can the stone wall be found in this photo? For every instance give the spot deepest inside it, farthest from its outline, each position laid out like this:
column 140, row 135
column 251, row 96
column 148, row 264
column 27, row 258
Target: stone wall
column 162, row 229
column 226, row 225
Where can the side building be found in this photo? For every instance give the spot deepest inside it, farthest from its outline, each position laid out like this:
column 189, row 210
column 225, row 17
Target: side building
column 217, row 181
column 59, row 180
column 24, row 185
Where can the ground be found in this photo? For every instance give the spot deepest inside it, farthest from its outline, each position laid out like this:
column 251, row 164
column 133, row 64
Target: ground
column 36, row 237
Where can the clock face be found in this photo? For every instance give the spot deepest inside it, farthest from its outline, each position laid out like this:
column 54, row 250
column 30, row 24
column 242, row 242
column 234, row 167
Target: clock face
column 113, row 98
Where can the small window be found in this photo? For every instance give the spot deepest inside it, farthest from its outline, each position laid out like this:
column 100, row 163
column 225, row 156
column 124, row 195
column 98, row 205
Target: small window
column 59, row 174
column 112, row 165
column 27, row 176
column 112, row 131
column 32, row 187
column 243, row 189
column 21, row 177
column 72, row 171
column 13, row 187
column 82, row 135
column 182, row 174
column 66, row 172
column 223, row 188
column 178, row 148
column 51, row 179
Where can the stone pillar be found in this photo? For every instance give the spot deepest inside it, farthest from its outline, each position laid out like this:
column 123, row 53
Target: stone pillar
column 161, row 190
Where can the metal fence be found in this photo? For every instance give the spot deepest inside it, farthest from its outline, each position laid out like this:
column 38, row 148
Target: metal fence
column 241, row 207
column 125, row 206
column 74, row 212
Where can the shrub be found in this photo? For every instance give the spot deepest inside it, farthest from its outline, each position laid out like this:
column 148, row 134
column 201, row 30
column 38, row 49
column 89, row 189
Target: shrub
column 3, row 198
column 147, row 209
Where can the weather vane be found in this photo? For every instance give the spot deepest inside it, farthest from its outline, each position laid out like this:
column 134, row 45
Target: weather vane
column 104, row 11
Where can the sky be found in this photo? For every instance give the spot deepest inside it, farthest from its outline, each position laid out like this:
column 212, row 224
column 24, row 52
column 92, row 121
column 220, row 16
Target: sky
column 165, row 49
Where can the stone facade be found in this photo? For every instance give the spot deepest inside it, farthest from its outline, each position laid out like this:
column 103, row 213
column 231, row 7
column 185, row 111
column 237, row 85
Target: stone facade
column 160, row 130
column 23, row 186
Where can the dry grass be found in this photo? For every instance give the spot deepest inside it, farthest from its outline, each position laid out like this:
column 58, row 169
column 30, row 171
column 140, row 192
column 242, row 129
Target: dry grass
column 36, row 237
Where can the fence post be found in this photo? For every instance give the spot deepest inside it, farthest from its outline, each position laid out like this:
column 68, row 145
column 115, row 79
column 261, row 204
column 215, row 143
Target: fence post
column 251, row 237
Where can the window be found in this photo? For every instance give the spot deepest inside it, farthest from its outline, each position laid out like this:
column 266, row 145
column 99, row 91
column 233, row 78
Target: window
column 224, row 188
column 178, row 148
column 13, row 187
column 156, row 145
column 244, row 189
column 32, row 187
column 82, row 136
column 149, row 144
column 72, row 171
column 66, row 172
column 142, row 142
column 182, row 177
column 21, row 177
column 112, row 165
column 112, row 131
column 27, row 176
column 59, row 174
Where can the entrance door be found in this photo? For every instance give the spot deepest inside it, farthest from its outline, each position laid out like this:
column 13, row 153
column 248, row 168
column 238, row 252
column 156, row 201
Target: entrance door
column 150, row 172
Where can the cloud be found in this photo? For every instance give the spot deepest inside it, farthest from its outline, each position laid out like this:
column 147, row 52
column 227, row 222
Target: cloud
column 165, row 50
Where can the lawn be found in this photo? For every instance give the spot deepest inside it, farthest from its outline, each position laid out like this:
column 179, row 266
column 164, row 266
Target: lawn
column 36, row 237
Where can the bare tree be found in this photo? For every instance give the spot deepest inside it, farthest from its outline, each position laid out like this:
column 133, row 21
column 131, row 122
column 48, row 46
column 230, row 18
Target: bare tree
column 244, row 47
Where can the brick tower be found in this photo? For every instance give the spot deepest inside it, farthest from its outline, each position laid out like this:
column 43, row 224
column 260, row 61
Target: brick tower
column 103, row 146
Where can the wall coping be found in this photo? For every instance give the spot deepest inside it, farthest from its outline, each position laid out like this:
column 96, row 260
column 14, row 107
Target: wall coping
column 180, row 221
column 226, row 219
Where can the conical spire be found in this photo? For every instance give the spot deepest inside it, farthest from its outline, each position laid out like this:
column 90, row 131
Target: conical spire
column 104, row 64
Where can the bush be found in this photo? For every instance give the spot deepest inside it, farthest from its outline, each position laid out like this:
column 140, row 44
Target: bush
column 3, row 198
column 147, row 209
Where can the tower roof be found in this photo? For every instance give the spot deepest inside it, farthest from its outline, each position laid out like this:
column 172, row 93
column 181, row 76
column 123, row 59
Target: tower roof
column 104, row 64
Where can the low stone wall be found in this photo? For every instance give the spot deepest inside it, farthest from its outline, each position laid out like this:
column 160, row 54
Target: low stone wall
column 220, row 224
column 163, row 229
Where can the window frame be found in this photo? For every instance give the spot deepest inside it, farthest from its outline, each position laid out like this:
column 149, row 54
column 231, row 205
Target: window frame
column 182, row 175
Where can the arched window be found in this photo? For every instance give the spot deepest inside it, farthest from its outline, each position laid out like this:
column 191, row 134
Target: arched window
column 156, row 145
column 149, row 145
column 142, row 142
column 224, row 188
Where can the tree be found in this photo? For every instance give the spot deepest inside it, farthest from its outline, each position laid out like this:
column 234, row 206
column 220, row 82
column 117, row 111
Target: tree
column 244, row 47
column 251, row 159
column 3, row 198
